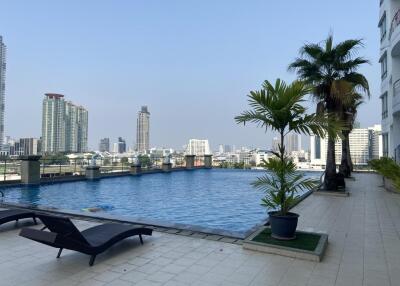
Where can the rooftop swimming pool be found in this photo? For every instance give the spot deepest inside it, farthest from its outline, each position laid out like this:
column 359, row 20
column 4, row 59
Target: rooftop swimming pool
column 220, row 200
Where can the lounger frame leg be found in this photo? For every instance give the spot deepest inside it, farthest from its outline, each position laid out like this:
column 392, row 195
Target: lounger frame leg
column 92, row 258
column 34, row 220
column 59, row 252
column 141, row 239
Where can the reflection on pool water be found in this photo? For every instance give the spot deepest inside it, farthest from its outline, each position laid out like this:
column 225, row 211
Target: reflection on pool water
column 218, row 198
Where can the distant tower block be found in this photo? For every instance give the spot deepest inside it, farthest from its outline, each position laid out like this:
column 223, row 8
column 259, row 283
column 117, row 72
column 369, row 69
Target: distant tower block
column 143, row 130
column 2, row 89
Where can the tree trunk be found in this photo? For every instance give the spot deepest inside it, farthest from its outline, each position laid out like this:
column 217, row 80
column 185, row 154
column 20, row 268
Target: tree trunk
column 349, row 156
column 344, row 167
column 330, row 183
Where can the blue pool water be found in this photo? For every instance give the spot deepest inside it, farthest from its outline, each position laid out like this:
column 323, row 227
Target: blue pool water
column 215, row 199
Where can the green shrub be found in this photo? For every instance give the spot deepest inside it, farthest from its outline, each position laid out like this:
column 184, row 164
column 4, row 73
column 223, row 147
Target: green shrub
column 388, row 168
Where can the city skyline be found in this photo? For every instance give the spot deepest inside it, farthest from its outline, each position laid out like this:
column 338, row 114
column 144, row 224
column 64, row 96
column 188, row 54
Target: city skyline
column 165, row 62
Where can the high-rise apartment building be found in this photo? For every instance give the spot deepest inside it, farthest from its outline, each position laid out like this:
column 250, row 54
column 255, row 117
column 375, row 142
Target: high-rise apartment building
column 143, row 130
column 53, row 123
column 121, row 145
column 198, row 147
column 2, row 89
column 64, row 125
column 293, row 143
column 376, row 141
column 76, row 131
column 222, row 149
column 104, row 145
column 275, row 144
column 365, row 145
column 29, row 146
column 23, row 146
column 389, row 25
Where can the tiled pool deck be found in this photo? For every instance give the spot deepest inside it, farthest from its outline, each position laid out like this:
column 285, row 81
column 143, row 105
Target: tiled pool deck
column 364, row 249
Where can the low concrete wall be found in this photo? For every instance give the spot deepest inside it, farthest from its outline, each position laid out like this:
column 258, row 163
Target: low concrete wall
column 10, row 183
column 114, row 174
column 60, row 179
column 388, row 185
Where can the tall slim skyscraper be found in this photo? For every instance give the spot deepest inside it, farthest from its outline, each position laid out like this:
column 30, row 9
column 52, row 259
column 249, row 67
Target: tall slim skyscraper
column 64, row 125
column 2, row 89
column 143, row 130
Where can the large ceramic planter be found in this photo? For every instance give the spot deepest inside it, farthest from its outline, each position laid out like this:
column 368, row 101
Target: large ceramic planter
column 283, row 226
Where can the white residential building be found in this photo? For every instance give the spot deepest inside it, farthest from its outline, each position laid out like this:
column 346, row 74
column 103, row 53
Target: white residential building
column 260, row 155
column 64, row 125
column 376, row 141
column 389, row 25
column 2, row 88
column 198, row 147
column 365, row 144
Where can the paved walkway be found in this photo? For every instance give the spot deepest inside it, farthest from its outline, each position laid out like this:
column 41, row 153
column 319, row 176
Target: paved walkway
column 364, row 249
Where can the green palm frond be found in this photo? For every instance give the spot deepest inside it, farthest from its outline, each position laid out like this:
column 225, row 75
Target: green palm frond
column 323, row 65
column 281, row 184
column 278, row 106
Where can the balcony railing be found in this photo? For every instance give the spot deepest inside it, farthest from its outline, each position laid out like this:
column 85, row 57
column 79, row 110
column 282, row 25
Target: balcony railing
column 395, row 22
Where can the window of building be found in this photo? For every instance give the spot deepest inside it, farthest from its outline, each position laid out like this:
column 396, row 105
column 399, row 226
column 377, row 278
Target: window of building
column 384, row 105
column 317, row 147
column 385, row 144
column 383, row 61
column 382, row 26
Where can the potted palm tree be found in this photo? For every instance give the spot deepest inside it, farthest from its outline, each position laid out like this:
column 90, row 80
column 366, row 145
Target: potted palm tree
column 279, row 108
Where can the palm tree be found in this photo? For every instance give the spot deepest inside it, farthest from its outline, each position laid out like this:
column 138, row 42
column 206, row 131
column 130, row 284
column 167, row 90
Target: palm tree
column 278, row 107
column 325, row 66
column 350, row 103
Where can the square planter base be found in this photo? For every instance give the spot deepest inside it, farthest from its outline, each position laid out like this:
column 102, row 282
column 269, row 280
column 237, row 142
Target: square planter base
column 315, row 255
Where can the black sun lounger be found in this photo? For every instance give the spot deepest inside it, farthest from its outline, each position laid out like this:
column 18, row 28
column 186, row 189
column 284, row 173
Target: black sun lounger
column 92, row 241
column 11, row 215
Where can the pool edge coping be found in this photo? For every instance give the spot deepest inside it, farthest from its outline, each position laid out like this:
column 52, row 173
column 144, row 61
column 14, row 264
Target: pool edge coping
column 171, row 228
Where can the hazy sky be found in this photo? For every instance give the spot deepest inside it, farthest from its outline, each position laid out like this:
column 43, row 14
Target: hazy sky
column 191, row 62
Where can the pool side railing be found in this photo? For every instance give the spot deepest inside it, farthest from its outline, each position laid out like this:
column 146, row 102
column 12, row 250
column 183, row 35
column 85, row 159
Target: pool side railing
column 66, row 169
column 10, row 169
